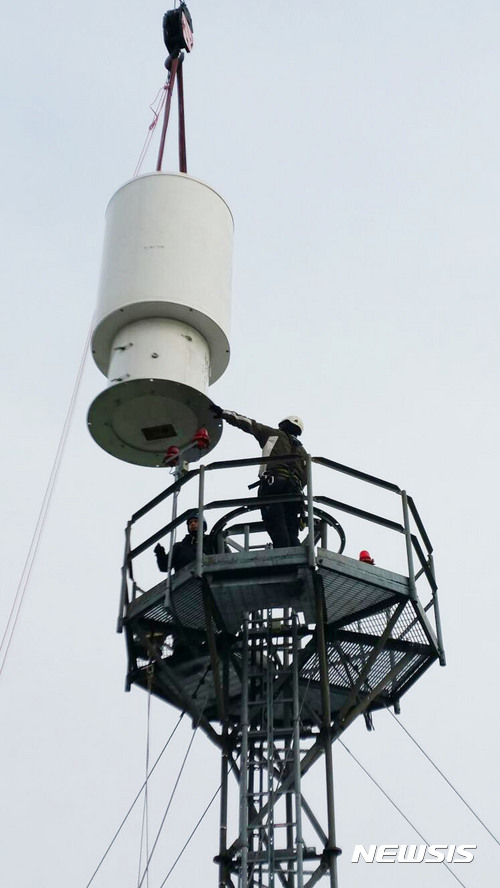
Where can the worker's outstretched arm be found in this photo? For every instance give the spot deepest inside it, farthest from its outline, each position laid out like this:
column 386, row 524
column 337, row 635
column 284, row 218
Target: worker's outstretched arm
column 259, row 431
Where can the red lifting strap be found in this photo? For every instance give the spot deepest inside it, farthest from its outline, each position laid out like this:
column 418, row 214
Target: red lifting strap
column 175, row 71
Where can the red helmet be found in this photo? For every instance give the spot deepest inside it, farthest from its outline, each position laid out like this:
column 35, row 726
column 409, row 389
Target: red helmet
column 366, row 557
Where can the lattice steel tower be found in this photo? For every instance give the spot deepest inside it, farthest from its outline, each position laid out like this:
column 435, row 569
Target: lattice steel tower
column 274, row 653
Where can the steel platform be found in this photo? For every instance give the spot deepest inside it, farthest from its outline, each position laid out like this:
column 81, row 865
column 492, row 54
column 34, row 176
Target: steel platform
column 378, row 638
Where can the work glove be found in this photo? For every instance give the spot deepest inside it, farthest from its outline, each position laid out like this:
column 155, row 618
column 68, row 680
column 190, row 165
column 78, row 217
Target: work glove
column 217, row 411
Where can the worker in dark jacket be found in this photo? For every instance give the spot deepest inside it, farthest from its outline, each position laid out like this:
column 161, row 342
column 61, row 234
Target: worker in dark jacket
column 276, row 478
column 184, row 552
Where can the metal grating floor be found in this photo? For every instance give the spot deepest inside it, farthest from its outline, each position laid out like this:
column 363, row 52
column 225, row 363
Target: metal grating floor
column 407, row 627
column 352, row 588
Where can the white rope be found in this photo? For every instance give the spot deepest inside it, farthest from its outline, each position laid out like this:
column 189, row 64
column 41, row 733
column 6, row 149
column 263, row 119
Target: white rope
column 157, row 108
column 17, row 604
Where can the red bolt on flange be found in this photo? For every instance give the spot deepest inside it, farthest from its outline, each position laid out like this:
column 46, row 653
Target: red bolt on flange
column 172, row 456
column 202, row 439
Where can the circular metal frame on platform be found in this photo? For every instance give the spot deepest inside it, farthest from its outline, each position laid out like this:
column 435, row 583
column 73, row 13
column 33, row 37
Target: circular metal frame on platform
column 223, row 528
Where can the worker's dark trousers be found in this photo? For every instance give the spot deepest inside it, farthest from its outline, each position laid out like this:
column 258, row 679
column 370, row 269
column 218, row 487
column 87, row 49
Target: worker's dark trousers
column 281, row 520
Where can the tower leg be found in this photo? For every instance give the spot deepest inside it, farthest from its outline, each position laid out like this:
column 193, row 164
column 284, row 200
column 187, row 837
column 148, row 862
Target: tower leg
column 243, row 838
column 223, row 864
column 296, row 755
column 331, row 850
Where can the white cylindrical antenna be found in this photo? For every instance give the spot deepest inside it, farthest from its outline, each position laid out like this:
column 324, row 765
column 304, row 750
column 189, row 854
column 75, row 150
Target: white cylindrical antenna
column 162, row 321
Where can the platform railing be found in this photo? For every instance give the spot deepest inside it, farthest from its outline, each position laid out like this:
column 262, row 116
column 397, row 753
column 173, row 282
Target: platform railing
column 416, row 552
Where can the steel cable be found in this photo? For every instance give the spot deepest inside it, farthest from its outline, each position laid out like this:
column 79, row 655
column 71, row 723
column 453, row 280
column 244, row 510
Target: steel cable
column 122, row 824
column 186, row 843
column 172, row 794
column 398, row 809
column 450, row 784
column 145, row 810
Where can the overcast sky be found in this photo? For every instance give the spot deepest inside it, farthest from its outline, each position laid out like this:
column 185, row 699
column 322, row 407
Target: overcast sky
column 357, row 144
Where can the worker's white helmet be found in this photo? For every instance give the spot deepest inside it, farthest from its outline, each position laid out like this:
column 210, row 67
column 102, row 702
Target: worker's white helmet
column 296, row 421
